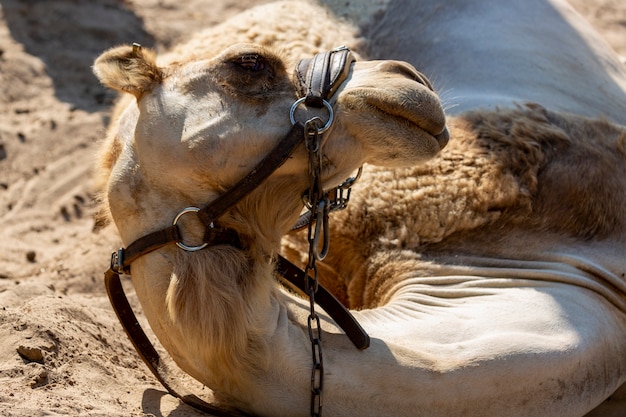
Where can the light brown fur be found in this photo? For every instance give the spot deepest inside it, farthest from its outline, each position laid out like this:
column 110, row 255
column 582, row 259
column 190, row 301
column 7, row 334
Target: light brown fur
column 526, row 168
column 133, row 70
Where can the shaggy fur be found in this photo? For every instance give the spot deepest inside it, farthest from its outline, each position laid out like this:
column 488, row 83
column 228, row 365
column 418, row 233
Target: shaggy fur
column 525, row 168
column 131, row 71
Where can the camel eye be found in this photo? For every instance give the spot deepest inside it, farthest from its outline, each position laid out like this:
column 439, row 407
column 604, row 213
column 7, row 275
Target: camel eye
column 252, row 62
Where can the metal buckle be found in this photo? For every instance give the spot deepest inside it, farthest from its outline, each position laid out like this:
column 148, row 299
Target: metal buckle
column 117, row 262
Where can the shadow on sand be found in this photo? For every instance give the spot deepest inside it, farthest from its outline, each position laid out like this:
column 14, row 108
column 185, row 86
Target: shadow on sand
column 67, row 35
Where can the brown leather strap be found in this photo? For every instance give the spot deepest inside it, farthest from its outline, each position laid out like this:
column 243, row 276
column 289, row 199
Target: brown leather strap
column 320, row 76
column 148, row 353
column 344, row 319
column 261, row 171
column 123, row 258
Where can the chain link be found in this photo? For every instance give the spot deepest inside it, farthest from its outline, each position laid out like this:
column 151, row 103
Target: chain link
column 340, row 196
column 318, row 224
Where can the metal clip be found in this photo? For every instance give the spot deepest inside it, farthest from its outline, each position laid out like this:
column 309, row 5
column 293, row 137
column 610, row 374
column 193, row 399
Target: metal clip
column 321, row 226
column 340, row 196
column 180, row 244
column 117, row 262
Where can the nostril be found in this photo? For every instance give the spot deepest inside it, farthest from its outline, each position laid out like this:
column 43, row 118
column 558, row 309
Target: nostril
column 404, row 69
column 409, row 71
column 421, row 78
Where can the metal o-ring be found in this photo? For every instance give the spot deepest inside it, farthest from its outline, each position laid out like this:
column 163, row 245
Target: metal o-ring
column 331, row 114
column 181, row 244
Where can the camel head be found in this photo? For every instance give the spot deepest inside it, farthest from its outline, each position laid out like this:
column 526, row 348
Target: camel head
column 198, row 126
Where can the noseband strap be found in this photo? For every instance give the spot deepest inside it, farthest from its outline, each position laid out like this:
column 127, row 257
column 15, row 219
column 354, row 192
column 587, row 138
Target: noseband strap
column 320, row 76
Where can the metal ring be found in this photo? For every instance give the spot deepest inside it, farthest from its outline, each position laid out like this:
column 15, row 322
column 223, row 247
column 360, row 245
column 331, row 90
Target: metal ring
column 331, row 114
column 181, row 244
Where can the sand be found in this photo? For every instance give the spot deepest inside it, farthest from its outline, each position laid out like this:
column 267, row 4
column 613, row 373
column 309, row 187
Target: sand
column 62, row 351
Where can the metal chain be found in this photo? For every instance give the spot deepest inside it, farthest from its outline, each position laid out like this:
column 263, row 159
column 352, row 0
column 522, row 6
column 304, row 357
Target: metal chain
column 340, row 195
column 318, row 224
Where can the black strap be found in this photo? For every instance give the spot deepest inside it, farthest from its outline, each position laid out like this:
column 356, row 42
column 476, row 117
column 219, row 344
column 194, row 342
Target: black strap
column 261, row 171
column 342, row 316
column 121, row 260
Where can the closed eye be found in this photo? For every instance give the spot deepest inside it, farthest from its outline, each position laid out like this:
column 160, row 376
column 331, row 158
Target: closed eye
column 252, row 62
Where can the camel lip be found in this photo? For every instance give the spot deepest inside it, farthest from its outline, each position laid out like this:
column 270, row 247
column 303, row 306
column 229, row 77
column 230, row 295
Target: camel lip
column 421, row 108
column 443, row 138
column 439, row 133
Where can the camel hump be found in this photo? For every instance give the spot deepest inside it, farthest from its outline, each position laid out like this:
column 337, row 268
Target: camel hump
column 131, row 69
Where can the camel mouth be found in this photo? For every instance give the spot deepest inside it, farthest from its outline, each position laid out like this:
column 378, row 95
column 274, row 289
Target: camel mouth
column 443, row 138
column 397, row 97
column 424, row 113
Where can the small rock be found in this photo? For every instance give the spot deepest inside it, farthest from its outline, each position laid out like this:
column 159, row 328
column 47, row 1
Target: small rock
column 39, row 377
column 3, row 152
column 31, row 256
column 32, row 354
column 66, row 214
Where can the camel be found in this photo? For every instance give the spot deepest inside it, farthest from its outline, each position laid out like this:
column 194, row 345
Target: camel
column 489, row 273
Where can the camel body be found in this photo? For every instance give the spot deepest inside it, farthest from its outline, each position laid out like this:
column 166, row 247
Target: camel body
column 488, row 290
column 481, row 297
column 487, row 53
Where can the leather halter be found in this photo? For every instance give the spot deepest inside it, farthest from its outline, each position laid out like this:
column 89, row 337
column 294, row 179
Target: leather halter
column 319, row 78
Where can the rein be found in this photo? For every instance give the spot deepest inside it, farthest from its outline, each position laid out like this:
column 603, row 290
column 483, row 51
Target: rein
column 319, row 77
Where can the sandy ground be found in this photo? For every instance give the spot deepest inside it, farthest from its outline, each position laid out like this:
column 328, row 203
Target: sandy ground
column 62, row 351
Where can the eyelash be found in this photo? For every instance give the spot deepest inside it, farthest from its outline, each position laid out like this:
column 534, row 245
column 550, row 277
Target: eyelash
column 251, row 62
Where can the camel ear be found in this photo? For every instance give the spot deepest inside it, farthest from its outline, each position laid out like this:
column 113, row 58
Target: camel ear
column 130, row 69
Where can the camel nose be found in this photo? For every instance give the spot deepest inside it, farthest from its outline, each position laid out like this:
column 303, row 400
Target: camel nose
column 405, row 69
